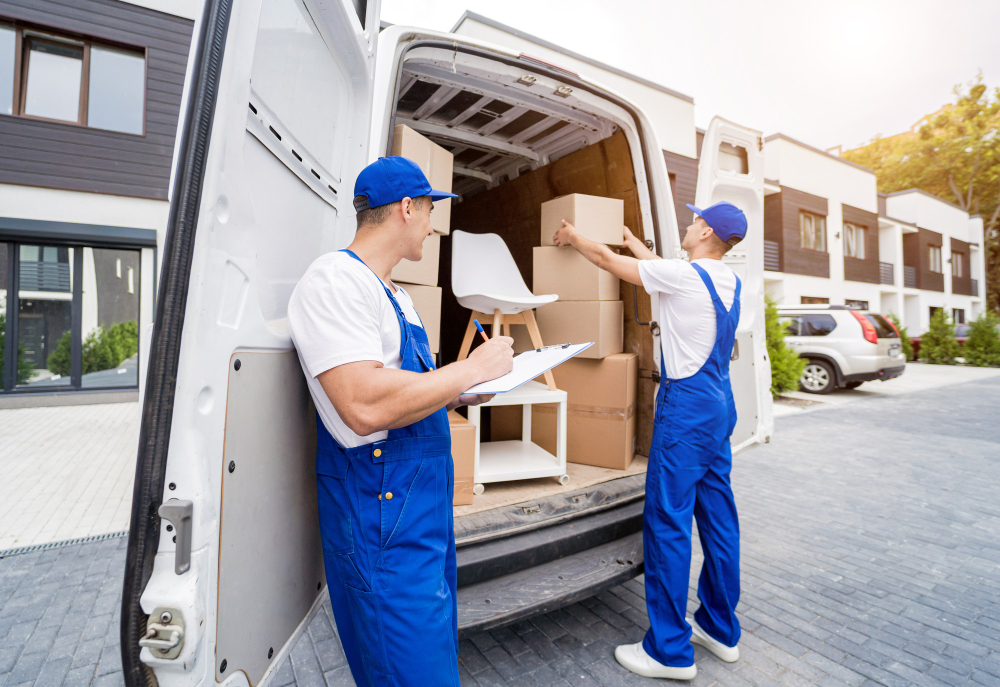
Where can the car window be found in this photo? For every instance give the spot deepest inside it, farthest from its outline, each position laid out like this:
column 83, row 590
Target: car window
column 817, row 325
column 792, row 325
column 883, row 329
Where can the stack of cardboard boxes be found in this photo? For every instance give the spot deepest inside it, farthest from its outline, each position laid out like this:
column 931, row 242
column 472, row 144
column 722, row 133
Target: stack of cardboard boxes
column 601, row 382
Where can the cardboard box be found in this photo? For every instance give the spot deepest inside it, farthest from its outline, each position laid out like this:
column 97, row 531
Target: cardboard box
column 579, row 321
column 425, row 271
column 596, row 218
column 600, row 414
column 565, row 272
column 435, row 162
column 464, row 437
column 427, row 303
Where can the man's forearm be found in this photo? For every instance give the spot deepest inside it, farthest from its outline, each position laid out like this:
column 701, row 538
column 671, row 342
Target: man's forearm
column 402, row 398
column 640, row 251
column 597, row 253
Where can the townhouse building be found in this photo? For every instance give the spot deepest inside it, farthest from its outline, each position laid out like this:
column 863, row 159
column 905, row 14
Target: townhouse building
column 90, row 94
column 831, row 237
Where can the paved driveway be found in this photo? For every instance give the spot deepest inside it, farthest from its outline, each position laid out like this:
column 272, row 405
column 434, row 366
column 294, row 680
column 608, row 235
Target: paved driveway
column 871, row 556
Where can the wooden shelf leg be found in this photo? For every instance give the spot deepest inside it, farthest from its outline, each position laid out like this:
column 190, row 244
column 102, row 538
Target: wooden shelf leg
column 470, row 332
column 536, row 341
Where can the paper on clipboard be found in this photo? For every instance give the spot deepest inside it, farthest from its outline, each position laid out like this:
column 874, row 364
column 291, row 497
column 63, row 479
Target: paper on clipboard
column 527, row 366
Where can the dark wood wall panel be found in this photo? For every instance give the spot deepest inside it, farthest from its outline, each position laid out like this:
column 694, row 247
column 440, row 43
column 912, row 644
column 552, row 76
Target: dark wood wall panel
column 795, row 258
column 683, row 173
column 867, row 269
column 773, row 230
column 65, row 156
column 916, row 254
column 960, row 252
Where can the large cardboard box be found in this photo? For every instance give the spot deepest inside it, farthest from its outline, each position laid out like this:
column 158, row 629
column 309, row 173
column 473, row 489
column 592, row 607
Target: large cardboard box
column 600, row 414
column 435, row 162
column 425, row 271
column 580, row 321
column 464, row 437
column 596, row 218
column 427, row 303
column 565, row 272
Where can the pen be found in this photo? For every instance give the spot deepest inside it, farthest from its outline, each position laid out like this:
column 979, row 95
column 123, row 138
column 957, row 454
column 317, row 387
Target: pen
column 480, row 328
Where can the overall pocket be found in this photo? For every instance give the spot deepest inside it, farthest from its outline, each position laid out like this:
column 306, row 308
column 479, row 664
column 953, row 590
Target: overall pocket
column 335, row 521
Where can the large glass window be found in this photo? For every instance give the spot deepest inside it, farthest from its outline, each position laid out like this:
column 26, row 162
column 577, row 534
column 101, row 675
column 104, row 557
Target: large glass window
column 110, row 324
column 52, row 86
column 854, row 240
column 957, row 264
column 45, row 315
column 72, row 80
column 934, row 258
column 8, row 46
column 3, row 312
column 812, row 231
column 117, row 90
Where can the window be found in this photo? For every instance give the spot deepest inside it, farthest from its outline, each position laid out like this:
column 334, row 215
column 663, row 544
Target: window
column 883, row 329
column 854, row 241
column 71, row 80
column 858, row 305
column 934, row 258
column 810, row 325
column 733, row 158
column 958, row 315
column 815, row 300
column 933, row 309
column 812, row 231
column 957, row 265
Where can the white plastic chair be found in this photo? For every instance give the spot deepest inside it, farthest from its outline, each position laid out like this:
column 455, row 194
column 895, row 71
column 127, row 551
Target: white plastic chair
column 485, row 278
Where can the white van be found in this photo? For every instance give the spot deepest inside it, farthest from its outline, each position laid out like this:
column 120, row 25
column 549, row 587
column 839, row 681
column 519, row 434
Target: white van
column 285, row 102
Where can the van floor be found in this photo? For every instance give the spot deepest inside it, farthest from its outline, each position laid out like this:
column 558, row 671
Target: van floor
column 499, row 494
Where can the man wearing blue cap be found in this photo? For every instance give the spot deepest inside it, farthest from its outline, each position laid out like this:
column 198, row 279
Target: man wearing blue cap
column 690, row 459
column 384, row 471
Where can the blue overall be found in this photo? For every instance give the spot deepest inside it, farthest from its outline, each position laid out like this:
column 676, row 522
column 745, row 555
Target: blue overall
column 388, row 535
column 689, row 465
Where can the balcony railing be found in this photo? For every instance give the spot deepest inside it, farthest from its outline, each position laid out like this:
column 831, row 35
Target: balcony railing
column 910, row 277
column 886, row 274
column 44, row 276
column 772, row 256
column 975, row 287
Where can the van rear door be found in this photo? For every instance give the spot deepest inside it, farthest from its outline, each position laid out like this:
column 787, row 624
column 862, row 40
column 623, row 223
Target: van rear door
column 224, row 563
column 731, row 168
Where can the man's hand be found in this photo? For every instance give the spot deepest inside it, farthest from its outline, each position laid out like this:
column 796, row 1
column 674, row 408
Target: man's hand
column 493, row 359
column 470, row 400
column 564, row 237
column 637, row 247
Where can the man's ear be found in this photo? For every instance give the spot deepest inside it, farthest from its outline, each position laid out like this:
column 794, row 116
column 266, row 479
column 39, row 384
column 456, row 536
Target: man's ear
column 406, row 206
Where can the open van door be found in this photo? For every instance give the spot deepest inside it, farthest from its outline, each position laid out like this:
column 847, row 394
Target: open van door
column 731, row 168
column 224, row 563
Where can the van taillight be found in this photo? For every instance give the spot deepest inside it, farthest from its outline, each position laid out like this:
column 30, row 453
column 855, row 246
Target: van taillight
column 867, row 327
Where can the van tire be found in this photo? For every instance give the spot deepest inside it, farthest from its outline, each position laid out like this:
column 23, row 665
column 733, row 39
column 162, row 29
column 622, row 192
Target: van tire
column 818, row 377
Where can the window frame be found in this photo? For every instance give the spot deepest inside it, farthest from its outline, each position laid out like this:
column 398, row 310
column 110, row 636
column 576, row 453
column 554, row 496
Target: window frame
column 860, row 235
column 22, row 63
column 931, row 261
column 803, row 214
column 958, row 264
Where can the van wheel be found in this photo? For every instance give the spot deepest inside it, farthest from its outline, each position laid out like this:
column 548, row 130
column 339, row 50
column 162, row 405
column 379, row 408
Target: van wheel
column 818, row 377
column 853, row 385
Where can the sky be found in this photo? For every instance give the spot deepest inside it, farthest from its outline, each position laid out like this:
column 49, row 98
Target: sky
column 828, row 73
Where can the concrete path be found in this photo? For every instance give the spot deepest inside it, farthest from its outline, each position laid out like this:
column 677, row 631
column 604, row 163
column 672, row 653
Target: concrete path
column 870, row 556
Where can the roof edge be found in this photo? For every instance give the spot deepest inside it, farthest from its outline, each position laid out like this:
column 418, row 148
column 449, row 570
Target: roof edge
column 799, row 143
column 929, row 195
column 475, row 16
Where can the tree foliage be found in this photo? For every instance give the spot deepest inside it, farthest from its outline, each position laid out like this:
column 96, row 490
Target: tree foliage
column 103, row 349
column 24, row 368
column 786, row 365
column 954, row 154
column 903, row 336
column 982, row 347
column 938, row 344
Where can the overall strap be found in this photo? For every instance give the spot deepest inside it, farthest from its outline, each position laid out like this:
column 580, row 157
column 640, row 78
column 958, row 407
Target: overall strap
column 404, row 326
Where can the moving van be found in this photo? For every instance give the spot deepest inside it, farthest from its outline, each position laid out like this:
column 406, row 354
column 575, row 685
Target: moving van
column 285, row 102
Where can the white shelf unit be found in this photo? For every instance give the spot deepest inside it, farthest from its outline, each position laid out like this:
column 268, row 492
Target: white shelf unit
column 501, row 461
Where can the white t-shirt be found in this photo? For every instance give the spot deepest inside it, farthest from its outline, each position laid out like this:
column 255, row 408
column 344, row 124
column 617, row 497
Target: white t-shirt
column 338, row 314
column 687, row 315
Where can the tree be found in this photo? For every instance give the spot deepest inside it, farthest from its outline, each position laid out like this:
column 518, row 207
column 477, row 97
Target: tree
column 786, row 365
column 938, row 345
column 24, row 367
column 904, row 337
column 954, row 154
column 983, row 345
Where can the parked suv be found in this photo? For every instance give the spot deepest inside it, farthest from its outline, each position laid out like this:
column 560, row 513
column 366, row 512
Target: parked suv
column 845, row 347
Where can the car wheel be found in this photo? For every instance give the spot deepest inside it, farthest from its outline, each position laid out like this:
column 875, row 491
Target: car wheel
column 818, row 377
column 853, row 385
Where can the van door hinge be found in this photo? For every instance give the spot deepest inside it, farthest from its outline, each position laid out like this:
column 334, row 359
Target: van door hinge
column 164, row 633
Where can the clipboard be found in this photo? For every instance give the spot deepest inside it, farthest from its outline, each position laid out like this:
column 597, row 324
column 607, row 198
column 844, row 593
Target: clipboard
column 529, row 365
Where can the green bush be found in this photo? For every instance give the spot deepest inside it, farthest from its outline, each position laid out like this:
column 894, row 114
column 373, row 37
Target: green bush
column 982, row 348
column 786, row 365
column 24, row 368
column 904, row 337
column 938, row 345
column 102, row 349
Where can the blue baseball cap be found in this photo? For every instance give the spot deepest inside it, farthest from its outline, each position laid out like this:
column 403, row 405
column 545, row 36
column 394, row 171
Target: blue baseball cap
column 727, row 221
column 390, row 179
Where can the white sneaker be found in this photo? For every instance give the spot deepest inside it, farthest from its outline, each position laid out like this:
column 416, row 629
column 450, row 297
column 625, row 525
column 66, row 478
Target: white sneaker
column 635, row 658
column 729, row 654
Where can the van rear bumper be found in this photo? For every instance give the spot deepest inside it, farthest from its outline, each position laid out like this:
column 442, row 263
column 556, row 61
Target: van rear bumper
column 882, row 374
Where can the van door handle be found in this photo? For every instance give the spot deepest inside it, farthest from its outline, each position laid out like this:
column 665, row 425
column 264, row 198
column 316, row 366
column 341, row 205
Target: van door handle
column 178, row 513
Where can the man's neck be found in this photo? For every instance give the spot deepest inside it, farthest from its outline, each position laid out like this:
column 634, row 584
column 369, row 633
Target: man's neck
column 697, row 254
column 377, row 250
